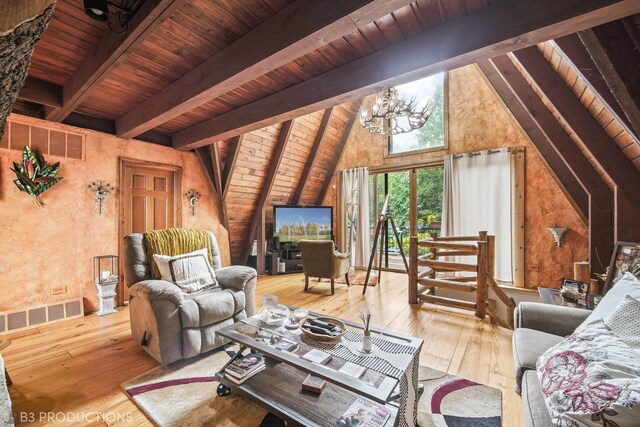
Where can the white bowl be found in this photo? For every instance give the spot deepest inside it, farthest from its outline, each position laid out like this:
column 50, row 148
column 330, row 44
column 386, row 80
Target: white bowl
column 300, row 314
column 274, row 316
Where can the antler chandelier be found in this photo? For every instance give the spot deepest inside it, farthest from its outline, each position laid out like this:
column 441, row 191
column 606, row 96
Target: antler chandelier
column 391, row 114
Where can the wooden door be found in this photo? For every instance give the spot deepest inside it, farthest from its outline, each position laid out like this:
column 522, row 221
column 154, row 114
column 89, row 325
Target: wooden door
column 150, row 200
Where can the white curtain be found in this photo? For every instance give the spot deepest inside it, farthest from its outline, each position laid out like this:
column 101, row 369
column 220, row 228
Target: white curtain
column 477, row 197
column 355, row 191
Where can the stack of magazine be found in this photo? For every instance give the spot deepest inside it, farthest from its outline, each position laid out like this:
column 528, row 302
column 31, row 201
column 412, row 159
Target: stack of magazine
column 244, row 368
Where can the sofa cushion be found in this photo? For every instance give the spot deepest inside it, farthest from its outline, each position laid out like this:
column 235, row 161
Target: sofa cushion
column 626, row 285
column 623, row 322
column 534, row 408
column 191, row 272
column 591, row 378
column 528, row 345
column 209, row 306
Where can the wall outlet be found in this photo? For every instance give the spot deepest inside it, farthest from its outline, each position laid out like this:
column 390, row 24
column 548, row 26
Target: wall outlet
column 62, row 289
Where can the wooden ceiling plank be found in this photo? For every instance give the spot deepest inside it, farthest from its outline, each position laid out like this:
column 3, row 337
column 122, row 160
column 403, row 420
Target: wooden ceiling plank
column 309, row 26
column 617, row 59
column 313, row 155
column 575, row 52
column 488, row 32
column 331, row 169
column 274, row 164
column 111, row 50
column 579, row 179
column 230, row 164
column 595, row 139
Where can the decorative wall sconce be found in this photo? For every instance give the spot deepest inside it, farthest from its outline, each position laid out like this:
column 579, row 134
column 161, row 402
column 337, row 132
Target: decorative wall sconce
column 100, row 189
column 558, row 234
column 193, row 196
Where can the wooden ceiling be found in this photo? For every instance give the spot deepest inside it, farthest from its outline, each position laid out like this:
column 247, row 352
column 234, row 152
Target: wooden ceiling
column 266, row 91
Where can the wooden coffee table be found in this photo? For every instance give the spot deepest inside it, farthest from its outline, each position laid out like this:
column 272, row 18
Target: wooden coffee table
column 278, row 387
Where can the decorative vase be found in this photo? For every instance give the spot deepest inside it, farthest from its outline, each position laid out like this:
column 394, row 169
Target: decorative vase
column 106, row 296
column 366, row 342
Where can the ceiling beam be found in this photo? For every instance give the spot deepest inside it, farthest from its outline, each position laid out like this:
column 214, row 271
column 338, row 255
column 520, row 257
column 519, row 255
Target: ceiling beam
column 604, row 150
column 311, row 159
column 555, row 146
column 230, row 164
column 217, row 170
column 574, row 51
column 500, row 74
column 274, row 164
column 331, row 169
column 108, row 126
column 41, row 92
column 111, row 50
column 302, row 27
column 615, row 54
column 491, row 31
column 211, row 163
column 204, row 155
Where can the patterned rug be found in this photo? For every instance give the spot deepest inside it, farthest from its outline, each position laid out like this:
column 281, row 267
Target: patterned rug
column 184, row 394
column 356, row 277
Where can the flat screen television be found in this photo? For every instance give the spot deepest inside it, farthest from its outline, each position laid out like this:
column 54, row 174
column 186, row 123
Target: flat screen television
column 294, row 223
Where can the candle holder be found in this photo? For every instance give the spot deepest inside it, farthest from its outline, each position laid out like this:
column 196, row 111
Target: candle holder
column 105, row 277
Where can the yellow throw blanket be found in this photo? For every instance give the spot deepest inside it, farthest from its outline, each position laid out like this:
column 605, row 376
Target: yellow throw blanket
column 174, row 241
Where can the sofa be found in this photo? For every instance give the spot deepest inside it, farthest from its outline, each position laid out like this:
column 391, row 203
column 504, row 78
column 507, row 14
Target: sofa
column 171, row 325
column 539, row 327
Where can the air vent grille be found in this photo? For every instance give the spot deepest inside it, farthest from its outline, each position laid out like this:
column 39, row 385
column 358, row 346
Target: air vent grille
column 50, row 141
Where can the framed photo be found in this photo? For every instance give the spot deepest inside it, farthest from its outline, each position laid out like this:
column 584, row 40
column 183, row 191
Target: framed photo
column 626, row 257
column 574, row 286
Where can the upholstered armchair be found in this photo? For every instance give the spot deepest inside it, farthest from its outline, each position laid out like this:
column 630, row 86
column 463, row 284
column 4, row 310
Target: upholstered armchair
column 321, row 260
column 171, row 325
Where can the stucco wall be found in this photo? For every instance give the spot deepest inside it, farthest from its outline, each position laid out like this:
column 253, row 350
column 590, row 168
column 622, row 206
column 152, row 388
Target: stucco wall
column 479, row 121
column 51, row 247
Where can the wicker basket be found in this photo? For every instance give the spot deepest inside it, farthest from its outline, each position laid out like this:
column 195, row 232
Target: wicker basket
column 320, row 337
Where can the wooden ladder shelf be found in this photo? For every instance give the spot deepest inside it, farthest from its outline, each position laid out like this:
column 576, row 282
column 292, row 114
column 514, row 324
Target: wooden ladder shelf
column 440, row 274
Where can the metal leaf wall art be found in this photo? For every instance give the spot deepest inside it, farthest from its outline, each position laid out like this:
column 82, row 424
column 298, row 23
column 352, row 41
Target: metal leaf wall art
column 34, row 175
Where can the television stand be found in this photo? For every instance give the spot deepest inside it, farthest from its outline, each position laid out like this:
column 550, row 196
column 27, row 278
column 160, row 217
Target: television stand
column 291, row 255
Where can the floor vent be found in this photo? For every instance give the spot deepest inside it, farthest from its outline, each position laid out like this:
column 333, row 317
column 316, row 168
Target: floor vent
column 31, row 317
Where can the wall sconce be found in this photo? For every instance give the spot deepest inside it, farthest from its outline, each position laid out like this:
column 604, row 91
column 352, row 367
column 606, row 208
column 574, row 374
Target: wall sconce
column 100, row 189
column 558, row 234
column 193, row 196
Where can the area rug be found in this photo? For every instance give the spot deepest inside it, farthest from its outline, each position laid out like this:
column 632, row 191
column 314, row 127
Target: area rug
column 184, row 394
column 356, row 277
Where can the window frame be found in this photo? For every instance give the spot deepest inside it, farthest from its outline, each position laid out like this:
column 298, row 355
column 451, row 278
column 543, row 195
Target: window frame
column 445, row 146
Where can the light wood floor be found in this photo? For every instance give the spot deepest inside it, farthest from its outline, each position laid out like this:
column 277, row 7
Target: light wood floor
column 77, row 366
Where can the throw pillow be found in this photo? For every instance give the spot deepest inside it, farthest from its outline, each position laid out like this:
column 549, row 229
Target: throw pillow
column 191, row 272
column 624, row 321
column 591, row 378
column 626, row 285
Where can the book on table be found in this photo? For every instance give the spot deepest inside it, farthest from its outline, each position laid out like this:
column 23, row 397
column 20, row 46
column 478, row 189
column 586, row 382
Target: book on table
column 244, row 366
column 246, row 377
column 362, row 413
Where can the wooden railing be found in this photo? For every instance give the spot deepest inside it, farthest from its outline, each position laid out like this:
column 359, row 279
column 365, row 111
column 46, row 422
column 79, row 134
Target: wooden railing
column 440, row 273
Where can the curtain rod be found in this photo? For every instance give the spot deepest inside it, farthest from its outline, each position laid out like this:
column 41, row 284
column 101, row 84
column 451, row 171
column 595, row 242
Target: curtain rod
column 492, row 151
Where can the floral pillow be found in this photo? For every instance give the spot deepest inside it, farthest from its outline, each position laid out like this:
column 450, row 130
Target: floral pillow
column 591, row 378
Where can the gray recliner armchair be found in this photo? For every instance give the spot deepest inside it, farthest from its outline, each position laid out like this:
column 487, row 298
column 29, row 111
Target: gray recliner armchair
column 171, row 325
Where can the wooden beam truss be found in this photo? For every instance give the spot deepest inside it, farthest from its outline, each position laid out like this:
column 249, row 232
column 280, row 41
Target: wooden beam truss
column 311, row 159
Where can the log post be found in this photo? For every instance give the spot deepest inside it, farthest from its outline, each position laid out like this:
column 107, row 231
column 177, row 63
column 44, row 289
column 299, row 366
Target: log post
column 413, row 270
column 481, row 291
